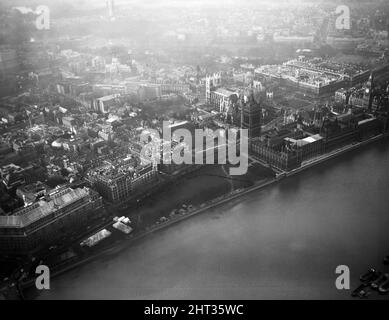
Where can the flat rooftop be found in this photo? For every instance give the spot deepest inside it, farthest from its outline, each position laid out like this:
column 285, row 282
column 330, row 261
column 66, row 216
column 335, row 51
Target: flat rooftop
column 38, row 210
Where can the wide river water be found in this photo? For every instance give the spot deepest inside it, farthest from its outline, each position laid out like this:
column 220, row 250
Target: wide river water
column 284, row 241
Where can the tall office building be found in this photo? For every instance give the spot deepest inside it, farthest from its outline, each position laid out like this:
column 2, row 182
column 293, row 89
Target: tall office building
column 110, row 8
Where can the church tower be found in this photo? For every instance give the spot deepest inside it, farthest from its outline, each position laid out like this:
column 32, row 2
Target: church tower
column 251, row 115
column 212, row 83
column 368, row 92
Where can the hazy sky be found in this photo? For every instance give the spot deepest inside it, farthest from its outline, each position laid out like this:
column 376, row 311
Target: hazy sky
column 93, row 4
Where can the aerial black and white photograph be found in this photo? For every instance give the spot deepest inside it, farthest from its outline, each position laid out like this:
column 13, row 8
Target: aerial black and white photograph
column 194, row 150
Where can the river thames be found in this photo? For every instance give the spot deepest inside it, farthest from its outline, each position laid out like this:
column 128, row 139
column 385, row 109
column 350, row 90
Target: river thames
column 281, row 242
